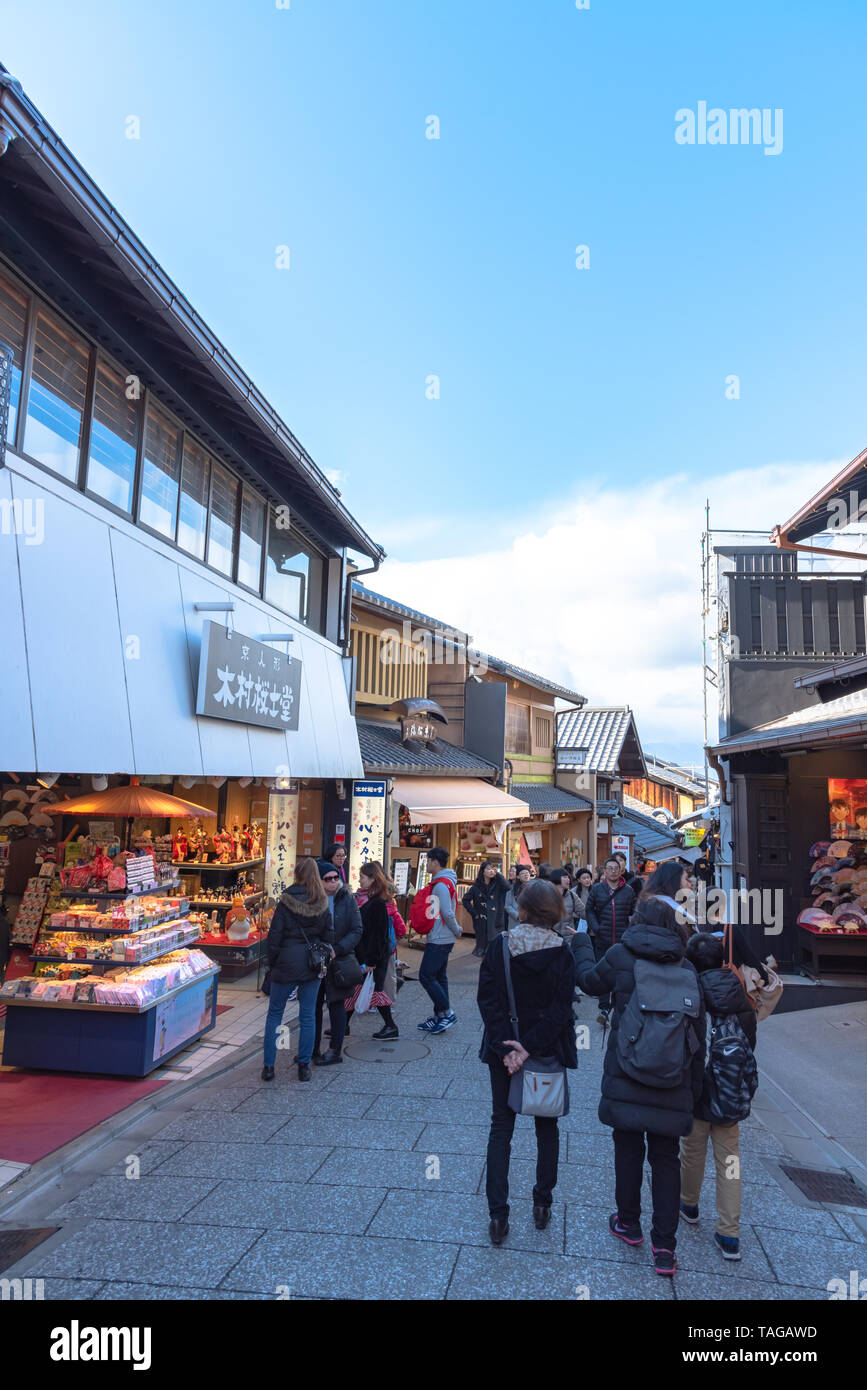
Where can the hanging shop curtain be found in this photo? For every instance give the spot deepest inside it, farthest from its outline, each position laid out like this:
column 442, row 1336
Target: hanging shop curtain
column 447, row 800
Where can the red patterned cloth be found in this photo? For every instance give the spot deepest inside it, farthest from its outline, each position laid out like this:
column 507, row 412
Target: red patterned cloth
column 379, row 999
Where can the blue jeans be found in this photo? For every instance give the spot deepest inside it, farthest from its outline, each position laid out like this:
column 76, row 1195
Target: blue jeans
column 433, row 977
column 277, row 1000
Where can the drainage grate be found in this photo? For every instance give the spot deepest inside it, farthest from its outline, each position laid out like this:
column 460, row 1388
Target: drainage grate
column 838, row 1189
column 14, row 1245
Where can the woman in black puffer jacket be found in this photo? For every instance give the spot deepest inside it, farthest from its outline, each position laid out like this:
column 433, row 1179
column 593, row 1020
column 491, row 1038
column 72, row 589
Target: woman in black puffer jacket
column 301, row 918
column 635, row 1111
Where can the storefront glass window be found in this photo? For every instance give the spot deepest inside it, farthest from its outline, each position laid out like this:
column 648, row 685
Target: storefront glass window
column 13, row 320
column 293, row 575
column 224, row 514
column 193, row 512
column 161, row 468
column 55, row 408
column 113, row 440
column 252, row 532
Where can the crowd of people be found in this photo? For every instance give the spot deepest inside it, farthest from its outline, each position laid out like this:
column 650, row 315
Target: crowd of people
column 632, row 941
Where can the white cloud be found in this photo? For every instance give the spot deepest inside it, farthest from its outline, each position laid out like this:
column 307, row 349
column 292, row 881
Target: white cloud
column 606, row 598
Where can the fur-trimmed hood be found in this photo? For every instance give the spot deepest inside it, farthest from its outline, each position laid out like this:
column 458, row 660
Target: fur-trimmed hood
column 295, row 899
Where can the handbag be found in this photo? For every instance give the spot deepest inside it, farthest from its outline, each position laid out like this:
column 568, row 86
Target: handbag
column 346, row 972
column 763, row 997
column 539, row 1087
column 318, row 954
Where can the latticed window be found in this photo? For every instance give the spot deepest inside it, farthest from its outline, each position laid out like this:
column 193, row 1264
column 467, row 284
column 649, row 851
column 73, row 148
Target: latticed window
column 387, row 668
column 518, row 729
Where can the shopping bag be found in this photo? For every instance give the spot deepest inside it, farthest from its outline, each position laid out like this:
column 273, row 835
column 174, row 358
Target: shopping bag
column 365, row 994
column 764, row 997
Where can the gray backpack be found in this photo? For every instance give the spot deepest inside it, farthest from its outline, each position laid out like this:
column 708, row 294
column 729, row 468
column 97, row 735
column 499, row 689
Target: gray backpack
column 656, row 1035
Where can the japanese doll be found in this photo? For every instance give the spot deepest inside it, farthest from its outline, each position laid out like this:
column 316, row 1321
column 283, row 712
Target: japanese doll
column 246, row 842
column 256, row 836
column 101, row 866
column 180, row 847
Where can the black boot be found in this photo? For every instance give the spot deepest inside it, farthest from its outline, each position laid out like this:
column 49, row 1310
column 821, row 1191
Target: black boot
column 498, row 1230
column 303, row 1071
column 267, row 1073
column 541, row 1216
column 331, row 1059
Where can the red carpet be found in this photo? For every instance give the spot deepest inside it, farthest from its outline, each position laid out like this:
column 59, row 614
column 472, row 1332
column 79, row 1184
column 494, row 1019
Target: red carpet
column 40, row 1113
column 224, row 1008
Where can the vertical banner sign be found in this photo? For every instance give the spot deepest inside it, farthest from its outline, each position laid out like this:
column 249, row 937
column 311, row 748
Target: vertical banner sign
column 620, row 844
column 367, row 832
column 281, row 844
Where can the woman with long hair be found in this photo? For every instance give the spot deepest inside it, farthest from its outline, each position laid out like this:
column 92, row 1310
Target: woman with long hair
column 396, row 927
column 543, row 980
column 301, row 920
column 374, row 950
column 485, row 901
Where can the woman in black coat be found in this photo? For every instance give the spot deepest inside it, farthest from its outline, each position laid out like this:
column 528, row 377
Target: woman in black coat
column 636, row 1112
column 485, row 901
column 543, row 979
column 375, row 948
column 347, row 934
column 301, row 918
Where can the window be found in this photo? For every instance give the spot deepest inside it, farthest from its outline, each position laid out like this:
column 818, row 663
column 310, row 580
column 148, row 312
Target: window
column 293, row 574
column 113, row 440
column 542, row 730
column 13, row 324
column 250, row 545
column 224, row 514
column 193, row 510
column 161, row 468
column 55, row 408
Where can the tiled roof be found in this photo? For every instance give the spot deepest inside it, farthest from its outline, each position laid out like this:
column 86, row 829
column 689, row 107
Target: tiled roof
column 844, row 717
column 544, row 796
column 383, row 752
column 601, row 731
column 650, row 834
column 661, row 771
column 494, row 663
column 632, row 803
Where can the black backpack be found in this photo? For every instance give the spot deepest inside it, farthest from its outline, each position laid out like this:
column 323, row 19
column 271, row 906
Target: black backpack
column 731, row 1075
column 656, row 1035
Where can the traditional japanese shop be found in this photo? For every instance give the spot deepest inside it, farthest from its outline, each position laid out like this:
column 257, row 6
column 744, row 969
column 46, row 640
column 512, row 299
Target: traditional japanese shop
column 797, row 789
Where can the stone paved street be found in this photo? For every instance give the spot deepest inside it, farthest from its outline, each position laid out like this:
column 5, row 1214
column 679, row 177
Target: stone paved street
column 250, row 1190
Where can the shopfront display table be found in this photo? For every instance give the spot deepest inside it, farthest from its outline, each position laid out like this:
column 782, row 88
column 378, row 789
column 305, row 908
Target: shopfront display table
column 108, row 1039
column 843, row 945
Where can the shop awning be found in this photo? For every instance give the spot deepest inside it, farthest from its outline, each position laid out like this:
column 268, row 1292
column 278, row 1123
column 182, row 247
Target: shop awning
column 447, row 800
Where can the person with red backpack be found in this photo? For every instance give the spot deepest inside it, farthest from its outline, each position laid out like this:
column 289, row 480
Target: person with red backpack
column 434, row 909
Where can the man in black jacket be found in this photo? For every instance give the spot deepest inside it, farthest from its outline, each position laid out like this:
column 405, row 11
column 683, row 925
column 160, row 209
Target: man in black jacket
column 636, row 1111
column 610, row 904
column 724, row 996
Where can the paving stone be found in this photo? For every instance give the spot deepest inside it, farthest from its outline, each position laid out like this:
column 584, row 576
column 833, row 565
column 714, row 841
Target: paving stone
column 268, row 1102
column 150, row 1155
column 277, row 1162
column 689, row 1284
column 350, row 1134
column 583, row 1183
column 697, row 1250
column 222, row 1098
column 171, row 1254
column 427, row 1109
column 850, row 1226
column 220, row 1127
column 588, row 1236
column 72, row 1289
column 473, row 1139
column 288, row 1206
column 136, row 1199
column 596, row 1148
column 148, row 1292
column 810, row 1262
column 382, row 1082
column 770, row 1206
column 462, row 1220
column 514, row 1275
column 470, row 1087
column 377, row 1168
column 350, row 1267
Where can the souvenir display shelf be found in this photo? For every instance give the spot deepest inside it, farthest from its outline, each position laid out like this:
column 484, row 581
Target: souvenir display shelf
column 89, row 1035
column 190, row 866
column 236, row 958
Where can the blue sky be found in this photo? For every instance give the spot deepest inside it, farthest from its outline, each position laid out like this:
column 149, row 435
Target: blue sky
column 563, row 392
